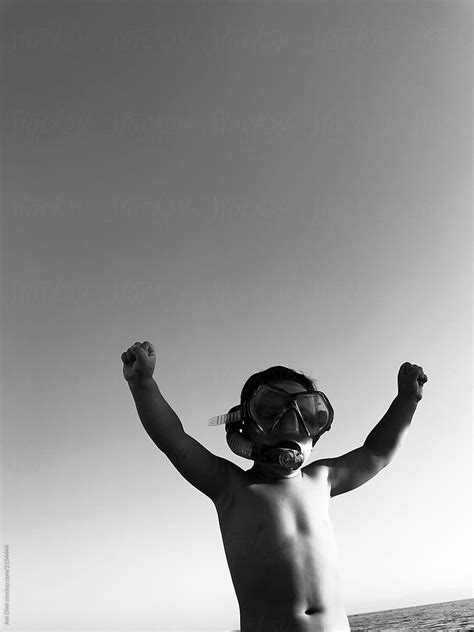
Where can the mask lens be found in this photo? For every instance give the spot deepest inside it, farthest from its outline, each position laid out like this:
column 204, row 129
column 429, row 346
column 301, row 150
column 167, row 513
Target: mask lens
column 308, row 406
column 314, row 411
column 266, row 405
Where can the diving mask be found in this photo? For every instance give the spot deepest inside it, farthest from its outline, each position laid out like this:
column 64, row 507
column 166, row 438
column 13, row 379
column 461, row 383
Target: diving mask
column 265, row 409
column 268, row 404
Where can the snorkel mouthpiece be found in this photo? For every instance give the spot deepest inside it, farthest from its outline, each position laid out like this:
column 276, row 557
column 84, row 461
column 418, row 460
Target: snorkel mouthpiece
column 281, row 454
column 290, row 459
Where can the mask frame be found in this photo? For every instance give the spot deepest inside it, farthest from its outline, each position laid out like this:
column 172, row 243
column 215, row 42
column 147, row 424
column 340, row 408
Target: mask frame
column 238, row 417
column 292, row 404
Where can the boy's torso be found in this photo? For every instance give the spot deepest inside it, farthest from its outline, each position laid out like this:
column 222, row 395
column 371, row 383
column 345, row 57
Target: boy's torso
column 282, row 554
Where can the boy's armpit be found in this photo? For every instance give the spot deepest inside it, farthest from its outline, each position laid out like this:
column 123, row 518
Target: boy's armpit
column 209, row 473
column 350, row 470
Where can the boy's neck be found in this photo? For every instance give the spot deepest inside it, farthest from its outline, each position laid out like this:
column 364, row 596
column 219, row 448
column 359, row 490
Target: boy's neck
column 268, row 472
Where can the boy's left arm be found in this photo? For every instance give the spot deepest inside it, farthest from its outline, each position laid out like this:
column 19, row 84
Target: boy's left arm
column 357, row 467
column 387, row 436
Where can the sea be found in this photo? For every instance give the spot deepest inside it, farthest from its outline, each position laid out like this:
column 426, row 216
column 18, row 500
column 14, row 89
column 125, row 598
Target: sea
column 447, row 615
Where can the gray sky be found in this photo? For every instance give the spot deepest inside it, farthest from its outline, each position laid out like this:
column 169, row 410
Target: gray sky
column 243, row 184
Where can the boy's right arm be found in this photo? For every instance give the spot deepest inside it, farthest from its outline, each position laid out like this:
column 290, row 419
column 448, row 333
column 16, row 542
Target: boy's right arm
column 206, row 471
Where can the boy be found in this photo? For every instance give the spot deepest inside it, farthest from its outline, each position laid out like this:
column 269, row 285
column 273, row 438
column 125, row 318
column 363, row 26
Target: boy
column 274, row 518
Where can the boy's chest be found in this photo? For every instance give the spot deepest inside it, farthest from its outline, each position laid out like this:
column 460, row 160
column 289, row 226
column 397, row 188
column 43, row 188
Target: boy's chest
column 281, row 550
column 271, row 515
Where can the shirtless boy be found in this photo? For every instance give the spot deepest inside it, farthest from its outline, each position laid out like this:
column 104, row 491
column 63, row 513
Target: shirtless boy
column 274, row 518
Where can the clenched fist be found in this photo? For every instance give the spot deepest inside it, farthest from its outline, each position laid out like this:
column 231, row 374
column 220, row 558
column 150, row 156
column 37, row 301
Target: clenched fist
column 410, row 381
column 139, row 361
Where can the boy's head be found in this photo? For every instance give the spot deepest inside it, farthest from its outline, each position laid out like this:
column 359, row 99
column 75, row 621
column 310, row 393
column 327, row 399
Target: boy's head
column 270, row 425
column 289, row 429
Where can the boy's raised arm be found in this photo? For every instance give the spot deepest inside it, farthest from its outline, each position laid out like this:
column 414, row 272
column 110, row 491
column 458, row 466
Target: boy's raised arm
column 207, row 472
column 355, row 468
column 158, row 418
column 387, row 436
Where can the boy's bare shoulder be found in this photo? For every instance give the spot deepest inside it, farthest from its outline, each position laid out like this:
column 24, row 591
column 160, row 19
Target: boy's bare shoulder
column 233, row 481
column 318, row 473
column 317, row 469
column 235, row 473
column 348, row 471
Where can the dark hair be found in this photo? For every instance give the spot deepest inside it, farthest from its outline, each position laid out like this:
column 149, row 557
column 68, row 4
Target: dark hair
column 275, row 374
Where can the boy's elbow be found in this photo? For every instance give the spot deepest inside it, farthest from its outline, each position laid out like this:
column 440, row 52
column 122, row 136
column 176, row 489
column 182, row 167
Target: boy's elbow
column 383, row 455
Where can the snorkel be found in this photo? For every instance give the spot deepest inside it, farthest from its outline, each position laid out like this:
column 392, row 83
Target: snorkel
column 285, row 454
